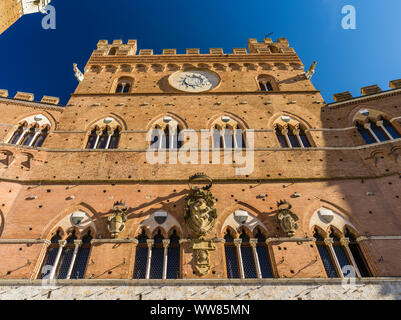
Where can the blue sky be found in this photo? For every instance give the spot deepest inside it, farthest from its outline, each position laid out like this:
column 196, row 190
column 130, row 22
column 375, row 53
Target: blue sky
column 40, row 61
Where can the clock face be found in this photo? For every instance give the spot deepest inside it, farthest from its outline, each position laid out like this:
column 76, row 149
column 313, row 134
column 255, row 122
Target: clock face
column 194, row 80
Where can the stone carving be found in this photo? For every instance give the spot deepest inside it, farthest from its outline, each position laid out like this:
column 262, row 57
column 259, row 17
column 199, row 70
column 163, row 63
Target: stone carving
column 202, row 263
column 116, row 222
column 200, row 214
column 286, row 218
column 78, row 74
column 200, row 217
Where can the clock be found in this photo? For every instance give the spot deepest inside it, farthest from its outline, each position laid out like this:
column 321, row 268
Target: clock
column 194, row 80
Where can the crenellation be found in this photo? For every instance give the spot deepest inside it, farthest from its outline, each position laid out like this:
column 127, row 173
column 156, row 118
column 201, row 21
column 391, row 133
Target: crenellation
column 395, row 84
column 192, row 51
column 3, row 93
column 24, row 96
column 370, row 90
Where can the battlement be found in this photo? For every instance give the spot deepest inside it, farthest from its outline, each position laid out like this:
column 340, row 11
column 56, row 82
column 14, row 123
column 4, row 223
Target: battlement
column 25, row 96
column 366, row 91
column 118, row 48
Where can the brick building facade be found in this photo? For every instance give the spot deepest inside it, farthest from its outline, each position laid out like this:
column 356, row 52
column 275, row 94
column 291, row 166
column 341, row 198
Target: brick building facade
column 81, row 198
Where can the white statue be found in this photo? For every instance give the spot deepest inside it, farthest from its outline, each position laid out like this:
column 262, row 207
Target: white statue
column 78, row 74
column 311, row 71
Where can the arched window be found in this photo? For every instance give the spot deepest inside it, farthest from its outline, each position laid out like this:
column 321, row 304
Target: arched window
column 50, row 257
column 357, row 254
column 326, row 256
column 290, row 136
column 66, row 259
column 124, row 85
column 156, row 264
column 166, row 134
column 266, row 83
column 263, row 256
column 164, row 257
column 113, row 51
column 340, row 256
column 377, row 131
column 231, row 257
column 247, row 255
column 141, row 256
column 173, row 257
column 32, row 131
column 106, row 138
column 228, row 134
column 82, row 257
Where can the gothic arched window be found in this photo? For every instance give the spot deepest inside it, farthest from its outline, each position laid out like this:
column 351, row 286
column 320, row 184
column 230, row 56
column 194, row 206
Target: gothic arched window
column 141, row 256
column 247, row 255
column 164, row 261
column 173, row 257
column 358, row 255
column 263, row 256
column 124, row 85
column 325, row 256
column 266, row 83
column 31, row 132
column 228, row 134
column 166, row 135
column 231, row 257
column 156, row 264
column 377, row 131
column 106, row 138
column 66, row 259
column 82, row 257
column 292, row 137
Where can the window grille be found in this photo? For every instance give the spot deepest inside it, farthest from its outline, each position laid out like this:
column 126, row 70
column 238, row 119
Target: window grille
column 341, row 257
column 82, row 258
column 231, row 257
column 156, row 265
column 263, row 256
column 141, row 257
column 327, row 261
column 173, row 257
column 380, row 134
column 390, row 129
column 281, row 139
column 360, row 260
column 248, row 261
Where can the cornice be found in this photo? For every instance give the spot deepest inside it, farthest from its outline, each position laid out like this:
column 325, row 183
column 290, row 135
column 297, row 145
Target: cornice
column 32, row 104
column 209, row 93
column 372, row 97
column 224, row 58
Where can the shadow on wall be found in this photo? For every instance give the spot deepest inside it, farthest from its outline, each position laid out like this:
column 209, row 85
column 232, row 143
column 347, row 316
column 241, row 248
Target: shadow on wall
column 2, row 220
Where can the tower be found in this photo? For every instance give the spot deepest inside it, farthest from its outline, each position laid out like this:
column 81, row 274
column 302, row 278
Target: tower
column 12, row 10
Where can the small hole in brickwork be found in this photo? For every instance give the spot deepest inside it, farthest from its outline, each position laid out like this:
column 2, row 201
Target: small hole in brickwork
column 129, row 177
column 40, row 206
column 140, row 191
column 104, row 191
column 48, row 190
column 30, row 229
column 370, row 212
column 292, row 271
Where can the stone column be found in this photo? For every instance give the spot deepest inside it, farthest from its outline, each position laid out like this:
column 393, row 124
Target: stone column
column 150, row 243
column 284, row 132
column 296, row 133
column 237, row 243
column 380, row 124
column 166, row 243
column 37, row 132
column 329, row 243
column 368, row 126
column 254, row 243
column 345, row 243
column 62, row 243
column 74, row 256
column 22, row 135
